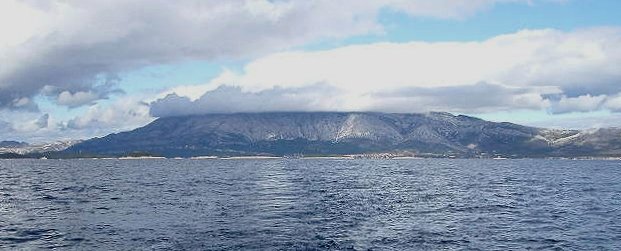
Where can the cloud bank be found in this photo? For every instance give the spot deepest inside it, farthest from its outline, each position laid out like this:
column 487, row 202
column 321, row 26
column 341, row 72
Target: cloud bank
column 532, row 69
column 323, row 97
column 74, row 46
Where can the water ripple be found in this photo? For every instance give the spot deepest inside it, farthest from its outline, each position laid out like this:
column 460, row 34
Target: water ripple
column 310, row 204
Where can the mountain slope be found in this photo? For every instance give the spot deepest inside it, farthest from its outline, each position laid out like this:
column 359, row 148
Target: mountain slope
column 23, row 148
column 345, row 133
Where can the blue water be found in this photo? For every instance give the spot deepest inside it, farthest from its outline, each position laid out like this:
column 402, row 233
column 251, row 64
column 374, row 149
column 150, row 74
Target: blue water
column 308, row 204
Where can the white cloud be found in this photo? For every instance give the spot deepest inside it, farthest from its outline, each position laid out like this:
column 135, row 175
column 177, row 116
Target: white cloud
column 30, row 20
column 43, row 121
column 124, row 114
column 566, row 60
column 227, row 99
column 82, row 44
column 74, row 45
column 76, row 99
column 24, row 124
column 613, row 103
column 324, row 97
column 23, row 103
column 583, row 103
column 523, row 70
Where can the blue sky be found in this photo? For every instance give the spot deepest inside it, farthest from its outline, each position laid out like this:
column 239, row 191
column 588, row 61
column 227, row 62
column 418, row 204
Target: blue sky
column 100, row 67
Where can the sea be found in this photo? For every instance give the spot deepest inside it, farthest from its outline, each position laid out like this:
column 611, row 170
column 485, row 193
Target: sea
column 310, row 204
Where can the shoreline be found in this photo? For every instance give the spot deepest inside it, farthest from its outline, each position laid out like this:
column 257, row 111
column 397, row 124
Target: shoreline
column 342, row 157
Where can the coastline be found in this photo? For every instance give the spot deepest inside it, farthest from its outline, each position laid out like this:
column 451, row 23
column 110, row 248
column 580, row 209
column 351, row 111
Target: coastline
column 330, row 157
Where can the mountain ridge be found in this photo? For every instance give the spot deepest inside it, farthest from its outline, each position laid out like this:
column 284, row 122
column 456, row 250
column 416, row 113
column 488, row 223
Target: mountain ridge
column 337, row 133
column 23, row 148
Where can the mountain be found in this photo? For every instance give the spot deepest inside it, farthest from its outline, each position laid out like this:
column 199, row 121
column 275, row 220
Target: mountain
column 334, row 133
column 12, row 144
column 22, row 148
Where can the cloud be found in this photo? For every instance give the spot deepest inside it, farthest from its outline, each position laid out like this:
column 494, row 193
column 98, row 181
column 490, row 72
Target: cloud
column 88, row 44
column 323, row 97
column 478, row 98
column 5, row 127
column 584, row 103
column 613, row 103
column 228, row 99
column 43, row 121
column 124, row 114
column 23, row 104
column 76, row 99
column 80, row 97
column 531, row 69
column 23, row 124
column 565, row 60
column 74, row 45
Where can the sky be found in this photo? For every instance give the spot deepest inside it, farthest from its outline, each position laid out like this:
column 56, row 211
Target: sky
column 73, row 69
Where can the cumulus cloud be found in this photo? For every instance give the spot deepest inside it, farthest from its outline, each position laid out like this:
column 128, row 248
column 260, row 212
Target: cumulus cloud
column 613, row 103
column 583, row 103
column 87, row 44
column 24, row 104
column 23, row 124
column 587, row 59
column 76, row 99
column 80, row 97
column 124, row 114
column 531, row 69
column 75, row 45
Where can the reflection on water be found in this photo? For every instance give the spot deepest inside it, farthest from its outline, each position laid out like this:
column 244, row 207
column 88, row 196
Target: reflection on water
column 310, row 204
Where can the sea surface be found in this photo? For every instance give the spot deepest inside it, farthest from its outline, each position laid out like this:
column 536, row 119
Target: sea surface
column 310, row 204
